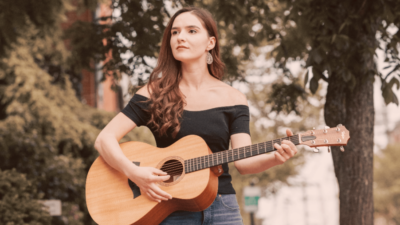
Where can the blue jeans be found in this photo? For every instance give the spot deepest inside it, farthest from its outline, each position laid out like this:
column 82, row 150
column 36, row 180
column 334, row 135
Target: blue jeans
column 224, row 210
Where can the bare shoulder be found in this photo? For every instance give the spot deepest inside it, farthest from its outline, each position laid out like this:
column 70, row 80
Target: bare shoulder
column 144, row 91
column 233, row 95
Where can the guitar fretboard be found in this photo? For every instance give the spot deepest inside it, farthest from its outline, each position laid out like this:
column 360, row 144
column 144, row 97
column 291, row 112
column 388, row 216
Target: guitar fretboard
column 232, row 155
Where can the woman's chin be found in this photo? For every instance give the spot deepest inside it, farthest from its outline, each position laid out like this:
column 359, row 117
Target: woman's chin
column 187, row 60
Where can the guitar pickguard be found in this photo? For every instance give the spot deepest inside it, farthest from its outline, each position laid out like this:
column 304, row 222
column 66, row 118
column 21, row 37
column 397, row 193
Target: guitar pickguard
column 135, row 189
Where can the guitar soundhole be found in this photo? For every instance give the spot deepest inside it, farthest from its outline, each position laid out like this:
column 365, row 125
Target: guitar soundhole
column 174, row 168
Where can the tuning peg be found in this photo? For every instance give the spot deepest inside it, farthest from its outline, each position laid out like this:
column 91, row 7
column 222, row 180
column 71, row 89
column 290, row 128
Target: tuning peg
column 329, row 149
column 316, row 150
column 326, row 129
column 342, row 148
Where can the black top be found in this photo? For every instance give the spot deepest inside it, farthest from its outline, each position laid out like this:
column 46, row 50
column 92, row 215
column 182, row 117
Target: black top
column 214, row 125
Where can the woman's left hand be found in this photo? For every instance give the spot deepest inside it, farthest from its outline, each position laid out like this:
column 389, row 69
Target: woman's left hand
column 286, row 150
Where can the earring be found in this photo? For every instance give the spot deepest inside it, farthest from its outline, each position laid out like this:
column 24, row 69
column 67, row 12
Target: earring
column 209, row 58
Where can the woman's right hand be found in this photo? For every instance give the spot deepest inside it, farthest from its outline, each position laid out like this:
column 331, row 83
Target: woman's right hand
column 146, row 178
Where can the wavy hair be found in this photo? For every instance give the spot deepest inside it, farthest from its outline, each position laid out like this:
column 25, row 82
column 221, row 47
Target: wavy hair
column 166, row 100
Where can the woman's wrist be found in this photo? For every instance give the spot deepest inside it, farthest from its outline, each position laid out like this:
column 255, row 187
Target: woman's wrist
column 127, row 167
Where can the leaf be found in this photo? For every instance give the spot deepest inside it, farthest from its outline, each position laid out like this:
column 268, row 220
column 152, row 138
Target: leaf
column 314, row 84
column 395, row 100
column 394, row 70
column 306, row 78
column 342, row 26
column 345, row 37
column 317, row 57
column 347, row 75
column 386, row 67
column 387, row 94
column 333, row 38
column 394, row 81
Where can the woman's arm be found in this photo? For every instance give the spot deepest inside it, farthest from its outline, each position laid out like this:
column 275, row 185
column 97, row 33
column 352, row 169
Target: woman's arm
column 262, row 162
column 107, row 144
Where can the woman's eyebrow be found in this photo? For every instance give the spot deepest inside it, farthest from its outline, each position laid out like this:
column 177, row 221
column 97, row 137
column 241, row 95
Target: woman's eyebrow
column 191, row 26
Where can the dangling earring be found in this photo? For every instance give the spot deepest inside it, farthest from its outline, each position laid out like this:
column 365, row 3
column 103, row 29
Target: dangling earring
column 209, row 58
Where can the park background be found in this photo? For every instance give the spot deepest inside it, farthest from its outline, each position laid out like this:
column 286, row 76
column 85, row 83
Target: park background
column 68, row 66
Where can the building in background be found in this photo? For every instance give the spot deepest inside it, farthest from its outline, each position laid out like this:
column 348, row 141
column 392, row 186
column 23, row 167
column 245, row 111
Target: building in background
column 394, row 135
column 93, row 91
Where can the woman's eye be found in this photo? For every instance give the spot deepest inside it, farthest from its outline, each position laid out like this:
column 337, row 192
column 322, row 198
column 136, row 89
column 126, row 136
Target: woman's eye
column 174, row 32
column 193, row 31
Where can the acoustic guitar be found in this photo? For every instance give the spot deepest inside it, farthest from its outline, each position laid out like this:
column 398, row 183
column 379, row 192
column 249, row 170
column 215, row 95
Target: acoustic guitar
column 113, row 199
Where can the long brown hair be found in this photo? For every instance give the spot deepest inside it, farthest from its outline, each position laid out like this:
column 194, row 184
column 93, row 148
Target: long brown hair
column 166, row 100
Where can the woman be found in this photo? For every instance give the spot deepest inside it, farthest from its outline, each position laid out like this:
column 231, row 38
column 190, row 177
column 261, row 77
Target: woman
column 185, row 95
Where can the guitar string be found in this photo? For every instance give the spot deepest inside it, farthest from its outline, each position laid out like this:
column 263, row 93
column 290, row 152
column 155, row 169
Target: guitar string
column 253, row 149
column 171, row 165
column 225, row 155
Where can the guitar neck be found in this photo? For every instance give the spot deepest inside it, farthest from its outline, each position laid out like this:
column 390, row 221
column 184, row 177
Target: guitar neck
column 232, row 155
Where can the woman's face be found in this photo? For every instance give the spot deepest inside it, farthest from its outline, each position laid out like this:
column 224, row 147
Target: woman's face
column 189, row 39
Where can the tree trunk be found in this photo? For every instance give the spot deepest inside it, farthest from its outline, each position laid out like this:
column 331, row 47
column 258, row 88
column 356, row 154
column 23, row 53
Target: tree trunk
column 354, row 167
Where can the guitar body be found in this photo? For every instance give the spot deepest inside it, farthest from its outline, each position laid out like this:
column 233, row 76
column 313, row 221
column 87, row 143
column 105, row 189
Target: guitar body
column 112, row 200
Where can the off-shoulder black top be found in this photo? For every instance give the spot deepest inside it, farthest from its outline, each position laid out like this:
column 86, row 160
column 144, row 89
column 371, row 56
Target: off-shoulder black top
column 214, row 125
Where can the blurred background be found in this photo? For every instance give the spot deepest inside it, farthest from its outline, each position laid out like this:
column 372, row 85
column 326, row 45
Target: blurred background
column 68, row 66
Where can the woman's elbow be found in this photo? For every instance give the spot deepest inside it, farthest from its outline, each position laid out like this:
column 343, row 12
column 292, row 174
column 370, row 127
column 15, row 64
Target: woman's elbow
column 240, row 169
column 97, row 143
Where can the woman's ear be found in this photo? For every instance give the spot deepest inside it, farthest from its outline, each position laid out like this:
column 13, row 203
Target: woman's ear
column 211, row 43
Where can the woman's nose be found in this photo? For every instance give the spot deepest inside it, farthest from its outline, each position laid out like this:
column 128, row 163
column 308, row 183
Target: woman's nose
column 181, row 36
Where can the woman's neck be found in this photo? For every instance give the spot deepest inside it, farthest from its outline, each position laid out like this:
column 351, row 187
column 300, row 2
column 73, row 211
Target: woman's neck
column 195, row 76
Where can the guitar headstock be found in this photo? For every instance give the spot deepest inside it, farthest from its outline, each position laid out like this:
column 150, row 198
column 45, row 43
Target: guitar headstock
column 336, row 136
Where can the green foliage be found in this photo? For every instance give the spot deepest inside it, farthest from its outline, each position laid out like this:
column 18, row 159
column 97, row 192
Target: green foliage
column 265, row 126
column 41, row 134
column 340, row 37
column 387, row 184
column 333, row 37
column 46, row 133
column 290, row 100
column 19, row 200
column 139, row 28
column 18, row 16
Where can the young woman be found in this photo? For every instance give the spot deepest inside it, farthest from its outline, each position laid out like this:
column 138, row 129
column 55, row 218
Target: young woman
column 185, row 95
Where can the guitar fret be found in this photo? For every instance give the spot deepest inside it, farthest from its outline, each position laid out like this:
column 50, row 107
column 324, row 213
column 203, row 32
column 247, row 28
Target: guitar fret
column 265, row 147
column 235, row 154
column 199, row 163
column 232, row 155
